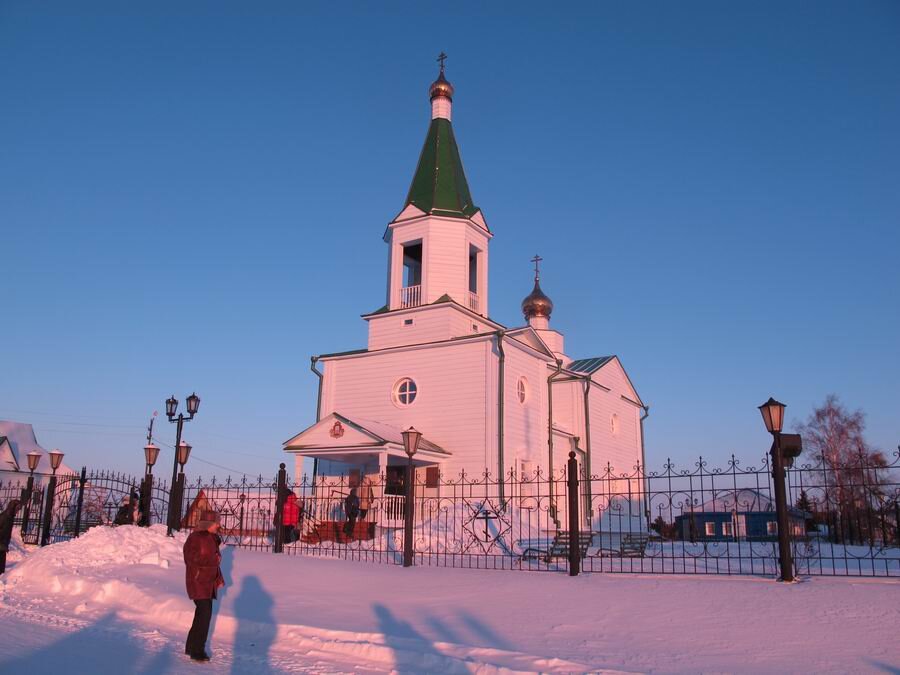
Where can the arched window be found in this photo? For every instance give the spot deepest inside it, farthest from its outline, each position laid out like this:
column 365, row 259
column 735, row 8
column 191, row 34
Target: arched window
column 522, row 390
column 405, row 392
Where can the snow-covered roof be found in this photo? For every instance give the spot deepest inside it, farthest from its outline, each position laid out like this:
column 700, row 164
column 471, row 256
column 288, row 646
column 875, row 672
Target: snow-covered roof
column 742, row 499
column 19, row 441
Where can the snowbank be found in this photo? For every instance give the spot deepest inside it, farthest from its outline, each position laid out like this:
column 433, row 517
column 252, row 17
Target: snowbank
column 93, row 573
column 123, row 589
column 17, row 549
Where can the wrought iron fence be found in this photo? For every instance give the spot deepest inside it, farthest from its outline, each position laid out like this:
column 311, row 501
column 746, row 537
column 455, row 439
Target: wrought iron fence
column 28, row 517
column 707, row 520
column 844, row 517
column 246, row 509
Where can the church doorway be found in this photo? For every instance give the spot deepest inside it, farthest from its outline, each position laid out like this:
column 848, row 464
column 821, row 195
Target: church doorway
column 395, row 480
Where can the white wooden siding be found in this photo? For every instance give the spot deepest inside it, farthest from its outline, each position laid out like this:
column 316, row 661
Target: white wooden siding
column 451, row 403
column 429, row 324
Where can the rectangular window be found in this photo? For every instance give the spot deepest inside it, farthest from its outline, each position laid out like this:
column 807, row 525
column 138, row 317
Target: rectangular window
column 772, row 527
column 473, row 270
column 710, row 529
column 412, row 264
column 432, row 476
column 407, row 322
column 728, row 529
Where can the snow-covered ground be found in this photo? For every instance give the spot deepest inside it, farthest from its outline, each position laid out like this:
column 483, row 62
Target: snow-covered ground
column 113, row 602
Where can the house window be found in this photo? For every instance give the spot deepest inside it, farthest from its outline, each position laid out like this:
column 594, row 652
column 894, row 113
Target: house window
column 772, row 527
column 522, row 390
column 614, row 424
column 710, row 529
column 405, row 392
column 432, row 476
column 728, row 529
column 407, row 322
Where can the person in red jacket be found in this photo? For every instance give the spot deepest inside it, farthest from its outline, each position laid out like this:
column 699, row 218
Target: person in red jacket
column 290, row 520
column 202, row 578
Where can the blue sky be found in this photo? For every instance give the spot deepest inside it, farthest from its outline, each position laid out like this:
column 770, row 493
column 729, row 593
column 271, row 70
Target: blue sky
column 192, row 197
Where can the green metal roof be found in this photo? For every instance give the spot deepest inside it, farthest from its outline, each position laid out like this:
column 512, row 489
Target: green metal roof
column 589, row 365
column 439, row 185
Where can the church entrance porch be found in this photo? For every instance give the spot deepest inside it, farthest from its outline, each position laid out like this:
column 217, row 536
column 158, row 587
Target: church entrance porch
column 365, row 457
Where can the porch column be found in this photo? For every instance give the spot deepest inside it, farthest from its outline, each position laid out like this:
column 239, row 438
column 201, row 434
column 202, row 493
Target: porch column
column 382, row 472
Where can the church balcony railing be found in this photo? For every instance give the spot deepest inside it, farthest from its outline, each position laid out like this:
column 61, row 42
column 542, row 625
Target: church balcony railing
column 410, row 296
column 472, row 301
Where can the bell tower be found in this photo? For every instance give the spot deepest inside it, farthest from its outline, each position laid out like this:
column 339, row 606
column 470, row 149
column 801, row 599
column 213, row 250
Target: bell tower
column 438, row 243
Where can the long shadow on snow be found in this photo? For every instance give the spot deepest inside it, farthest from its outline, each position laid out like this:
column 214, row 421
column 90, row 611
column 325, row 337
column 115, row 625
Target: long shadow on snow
column 413, row 653
column 226, row 565
column 102, row 647
column 256, row 628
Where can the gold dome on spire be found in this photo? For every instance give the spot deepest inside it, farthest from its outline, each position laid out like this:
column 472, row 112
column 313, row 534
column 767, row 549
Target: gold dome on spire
column 441, row 87
column 536, row 303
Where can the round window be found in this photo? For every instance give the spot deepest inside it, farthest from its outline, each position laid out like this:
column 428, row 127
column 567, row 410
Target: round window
column 405, row 392
column 522, row 390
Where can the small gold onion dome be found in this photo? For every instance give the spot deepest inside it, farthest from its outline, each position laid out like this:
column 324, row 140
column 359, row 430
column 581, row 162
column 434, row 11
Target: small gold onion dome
column 441, row 87
column 536, row 303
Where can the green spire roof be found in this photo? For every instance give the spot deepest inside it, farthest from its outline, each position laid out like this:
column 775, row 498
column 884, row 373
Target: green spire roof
column 439, row 186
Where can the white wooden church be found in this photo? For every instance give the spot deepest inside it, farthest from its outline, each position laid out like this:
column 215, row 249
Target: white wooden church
column 485, row 396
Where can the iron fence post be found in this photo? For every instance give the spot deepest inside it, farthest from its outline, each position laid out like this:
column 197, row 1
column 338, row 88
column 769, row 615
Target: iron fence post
column 409, row 515
column 26, row 500
column 281, row 488
column 781, row 509
column 146, row 500
column 574, row 533
column 48, row 511
column 175, row 504
column 897, row 521
column 80, row 503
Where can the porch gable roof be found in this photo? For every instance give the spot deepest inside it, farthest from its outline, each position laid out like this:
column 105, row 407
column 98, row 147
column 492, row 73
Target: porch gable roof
column 336, row 431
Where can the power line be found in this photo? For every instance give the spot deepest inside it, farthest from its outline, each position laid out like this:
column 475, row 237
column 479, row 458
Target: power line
column 218, row 466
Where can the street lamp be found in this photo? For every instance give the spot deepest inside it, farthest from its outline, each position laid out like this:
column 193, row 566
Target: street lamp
column 184, row 451
column 33, row 458
column 411, row 439
column 151, row 452
column 193, row 405
column 773, row 416
column 56, row 458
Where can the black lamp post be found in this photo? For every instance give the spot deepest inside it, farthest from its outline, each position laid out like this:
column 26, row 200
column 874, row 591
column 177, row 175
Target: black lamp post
column 193, row 405
column 151, row 452
column 33, row 459
column 55, row 461
column 773, row 417
column 411, row 439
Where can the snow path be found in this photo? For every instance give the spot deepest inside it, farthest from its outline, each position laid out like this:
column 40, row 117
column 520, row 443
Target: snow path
column 113, row 602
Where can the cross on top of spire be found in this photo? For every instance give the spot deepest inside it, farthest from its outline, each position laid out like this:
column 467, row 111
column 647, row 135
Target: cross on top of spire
column 441, row 59
column 537, row 270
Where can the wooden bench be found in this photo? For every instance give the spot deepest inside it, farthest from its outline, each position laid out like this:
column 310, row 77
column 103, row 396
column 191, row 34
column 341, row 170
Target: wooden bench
column 634, row 545
column 548, row 550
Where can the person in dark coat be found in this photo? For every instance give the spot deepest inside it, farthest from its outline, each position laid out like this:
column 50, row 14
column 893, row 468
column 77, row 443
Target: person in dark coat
column 6, row 527
column 203, row 577
column 125, row 514
column 351, row 510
